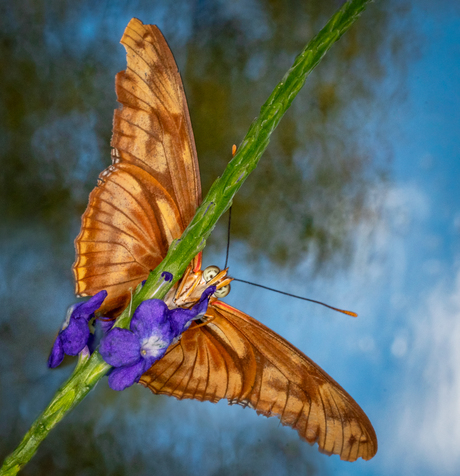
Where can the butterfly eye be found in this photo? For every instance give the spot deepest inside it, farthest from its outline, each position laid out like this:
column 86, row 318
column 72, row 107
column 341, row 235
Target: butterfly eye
column 210, row 272
column 223, row 291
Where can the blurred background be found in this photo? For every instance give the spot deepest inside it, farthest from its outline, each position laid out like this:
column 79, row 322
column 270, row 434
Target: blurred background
column 356, row 202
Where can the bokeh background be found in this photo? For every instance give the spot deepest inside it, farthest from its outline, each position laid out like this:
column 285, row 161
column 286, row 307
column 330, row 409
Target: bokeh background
column 356, row 202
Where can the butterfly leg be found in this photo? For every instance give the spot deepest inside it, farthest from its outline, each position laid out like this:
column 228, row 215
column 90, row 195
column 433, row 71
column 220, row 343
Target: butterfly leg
column 206, row 322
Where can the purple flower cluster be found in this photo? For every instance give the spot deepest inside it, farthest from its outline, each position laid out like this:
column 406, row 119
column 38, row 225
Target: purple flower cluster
column 132, row 352
column 153, row 329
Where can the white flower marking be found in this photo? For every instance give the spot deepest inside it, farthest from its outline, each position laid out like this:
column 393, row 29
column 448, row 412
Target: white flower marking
column 153, row 345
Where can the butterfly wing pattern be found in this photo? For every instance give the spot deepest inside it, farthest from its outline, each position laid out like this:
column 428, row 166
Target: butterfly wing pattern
column 150, row 193
column 237, row 358
column 143, row 201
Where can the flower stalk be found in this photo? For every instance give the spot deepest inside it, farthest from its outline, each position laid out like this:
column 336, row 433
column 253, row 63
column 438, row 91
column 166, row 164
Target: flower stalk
column 82, row 380
column 219, row 199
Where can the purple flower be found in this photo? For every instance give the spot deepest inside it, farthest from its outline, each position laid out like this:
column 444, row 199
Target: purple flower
column 153, row 328
column 180, row 319
column 167, row 276
column 74, row 334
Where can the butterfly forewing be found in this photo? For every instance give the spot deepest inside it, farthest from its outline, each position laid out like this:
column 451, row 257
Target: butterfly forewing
column 237, row 358
column 149, row 194
column 153, row 128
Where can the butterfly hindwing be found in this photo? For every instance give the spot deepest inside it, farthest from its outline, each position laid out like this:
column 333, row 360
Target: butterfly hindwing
column 237, row 358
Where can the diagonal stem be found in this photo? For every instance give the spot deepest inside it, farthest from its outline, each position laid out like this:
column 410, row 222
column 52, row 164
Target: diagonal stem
column 220, row 196
column 82, row 380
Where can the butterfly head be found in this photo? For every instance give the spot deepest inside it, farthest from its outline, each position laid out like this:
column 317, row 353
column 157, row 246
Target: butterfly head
column 213, row 276
column 195, row 282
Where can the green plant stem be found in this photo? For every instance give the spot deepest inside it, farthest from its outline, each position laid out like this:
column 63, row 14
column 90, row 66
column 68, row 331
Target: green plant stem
column 193, row 240
column 220, row 196
column 82, row 380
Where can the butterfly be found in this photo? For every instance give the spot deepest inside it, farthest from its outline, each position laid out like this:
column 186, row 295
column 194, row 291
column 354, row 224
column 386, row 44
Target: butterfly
column 144, row 201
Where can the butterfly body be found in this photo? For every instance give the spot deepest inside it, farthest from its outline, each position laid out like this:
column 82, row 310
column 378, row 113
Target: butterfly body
column 143, row 202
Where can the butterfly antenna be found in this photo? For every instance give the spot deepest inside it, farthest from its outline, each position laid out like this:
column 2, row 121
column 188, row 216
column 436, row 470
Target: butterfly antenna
column 234, row 148
column 348, row 313
column 228, row 236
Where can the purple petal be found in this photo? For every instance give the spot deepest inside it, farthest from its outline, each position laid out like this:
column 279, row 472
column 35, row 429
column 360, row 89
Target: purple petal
column 120, row 347
column 57, row 353
column 92, row 342
column 167, row 276
column 75, row 336
column 88, row 308
column 106, row 325
column 148, row 317
column 181, row 318
column 124, row 377
column 202, row 305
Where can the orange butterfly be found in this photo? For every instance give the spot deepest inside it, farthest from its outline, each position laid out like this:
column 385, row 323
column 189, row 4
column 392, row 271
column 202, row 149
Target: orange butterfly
column 142, row 202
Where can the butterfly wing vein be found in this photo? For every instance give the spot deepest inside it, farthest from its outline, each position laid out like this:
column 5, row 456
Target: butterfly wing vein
column 250, row 365
column 140, row 204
